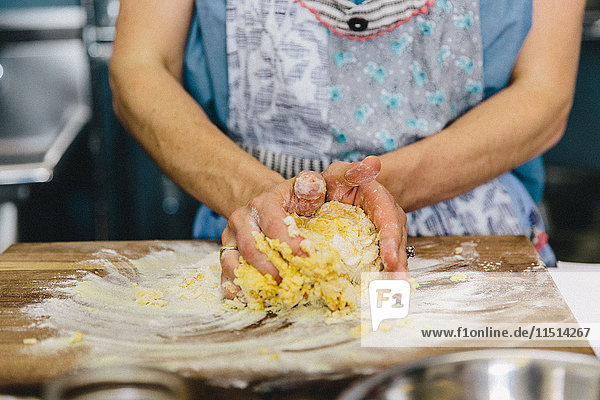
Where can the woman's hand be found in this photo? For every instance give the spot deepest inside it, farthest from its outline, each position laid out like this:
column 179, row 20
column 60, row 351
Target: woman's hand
column 355, row 184
column 348, row 183
column 303, row 195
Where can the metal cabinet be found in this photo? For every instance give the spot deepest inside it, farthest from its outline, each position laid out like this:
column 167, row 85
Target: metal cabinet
column 44, row 99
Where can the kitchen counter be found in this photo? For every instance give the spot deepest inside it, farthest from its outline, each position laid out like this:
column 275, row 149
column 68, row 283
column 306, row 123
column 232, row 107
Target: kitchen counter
column 63, row 308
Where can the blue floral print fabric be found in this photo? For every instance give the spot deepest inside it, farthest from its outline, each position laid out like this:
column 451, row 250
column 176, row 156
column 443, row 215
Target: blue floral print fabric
column 296, row 88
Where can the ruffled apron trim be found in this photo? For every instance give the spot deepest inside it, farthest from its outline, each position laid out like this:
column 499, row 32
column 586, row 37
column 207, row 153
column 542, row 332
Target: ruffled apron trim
column 367, row 20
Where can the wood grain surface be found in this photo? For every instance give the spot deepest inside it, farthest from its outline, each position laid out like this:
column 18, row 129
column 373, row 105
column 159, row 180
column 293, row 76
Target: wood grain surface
column 28, row 270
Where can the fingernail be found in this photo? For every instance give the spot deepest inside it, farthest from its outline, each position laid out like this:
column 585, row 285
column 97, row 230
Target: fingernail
column 309, row 186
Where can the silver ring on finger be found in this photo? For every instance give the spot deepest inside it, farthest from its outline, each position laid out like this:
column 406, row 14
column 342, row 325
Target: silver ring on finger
column 225, row 248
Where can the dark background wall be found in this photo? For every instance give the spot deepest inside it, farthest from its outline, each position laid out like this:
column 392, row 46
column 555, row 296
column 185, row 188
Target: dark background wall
column 572, row 193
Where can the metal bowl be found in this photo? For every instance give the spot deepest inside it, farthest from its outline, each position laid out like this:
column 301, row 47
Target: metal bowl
column 118, row 383
column 511, row 374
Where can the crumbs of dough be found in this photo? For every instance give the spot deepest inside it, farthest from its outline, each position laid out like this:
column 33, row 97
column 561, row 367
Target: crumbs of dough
column 340, row 241
column 76, row 338
column 293, row 230
column 383, row 327
column 458, row 277
column 413, row 285
column 234, row 304
column 149, row 297
column 264, row 351
column 196, row 285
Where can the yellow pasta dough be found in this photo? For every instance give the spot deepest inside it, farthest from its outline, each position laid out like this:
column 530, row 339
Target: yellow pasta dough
column 340, row 242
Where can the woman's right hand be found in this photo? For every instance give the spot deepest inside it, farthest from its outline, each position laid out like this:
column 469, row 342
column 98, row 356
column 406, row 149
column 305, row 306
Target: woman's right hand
column 302, row 195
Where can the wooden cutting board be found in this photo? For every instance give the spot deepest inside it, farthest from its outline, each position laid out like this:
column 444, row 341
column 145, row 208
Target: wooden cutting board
column 43, row 300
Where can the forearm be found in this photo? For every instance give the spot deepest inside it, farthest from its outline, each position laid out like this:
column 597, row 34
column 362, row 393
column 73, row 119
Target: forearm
column 177, row 134
column 510, row 128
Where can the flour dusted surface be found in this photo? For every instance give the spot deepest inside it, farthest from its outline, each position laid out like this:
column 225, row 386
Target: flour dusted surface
column 196, row 334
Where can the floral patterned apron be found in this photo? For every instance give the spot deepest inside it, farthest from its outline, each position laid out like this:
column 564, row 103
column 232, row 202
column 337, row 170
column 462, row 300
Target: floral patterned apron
column 313, row 81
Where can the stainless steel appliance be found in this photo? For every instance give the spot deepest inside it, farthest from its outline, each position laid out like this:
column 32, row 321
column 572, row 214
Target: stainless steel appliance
column 44, row 99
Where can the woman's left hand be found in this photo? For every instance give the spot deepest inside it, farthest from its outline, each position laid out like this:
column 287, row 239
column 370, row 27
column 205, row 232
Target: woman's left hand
column 356, row 184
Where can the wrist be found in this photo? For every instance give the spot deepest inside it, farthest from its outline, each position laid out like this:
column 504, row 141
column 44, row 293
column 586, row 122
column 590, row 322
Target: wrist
column 260, row 182
column 396, row 180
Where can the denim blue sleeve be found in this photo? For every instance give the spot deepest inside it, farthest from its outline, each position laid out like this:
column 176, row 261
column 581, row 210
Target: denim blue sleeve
column 505, row 25
column 208, row 224
column 205, row 63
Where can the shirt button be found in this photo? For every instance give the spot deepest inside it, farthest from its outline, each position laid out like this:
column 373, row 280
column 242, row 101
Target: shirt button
column 358, row 24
